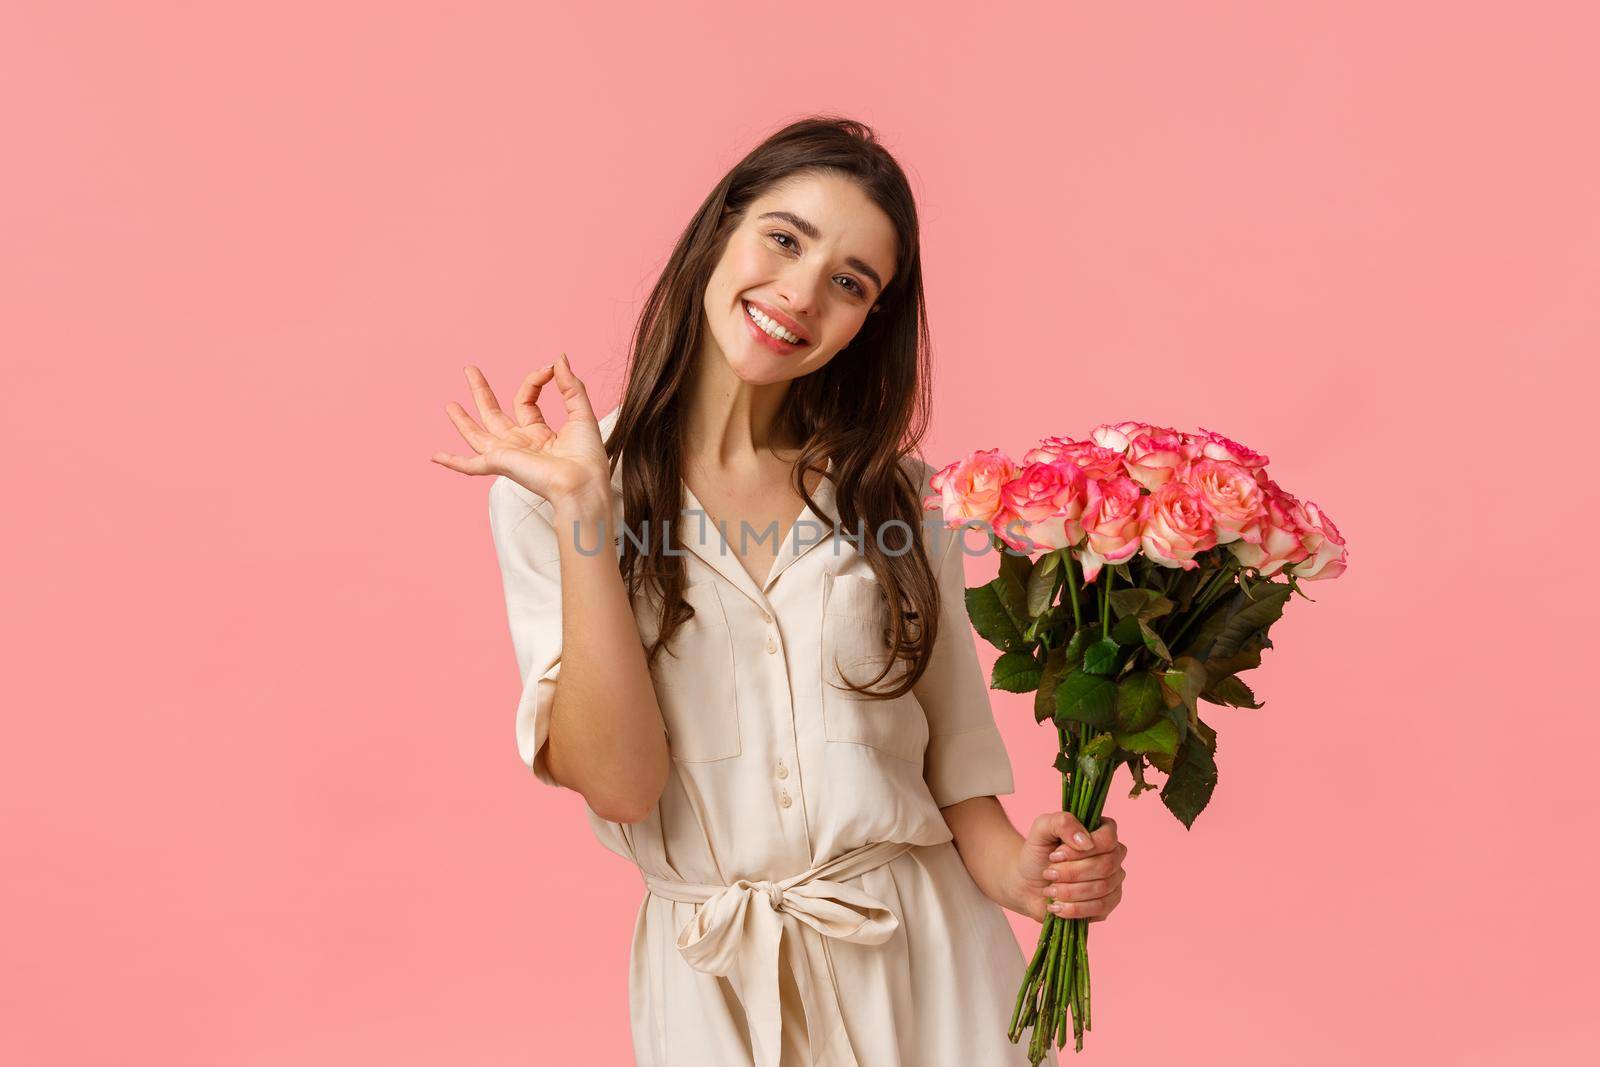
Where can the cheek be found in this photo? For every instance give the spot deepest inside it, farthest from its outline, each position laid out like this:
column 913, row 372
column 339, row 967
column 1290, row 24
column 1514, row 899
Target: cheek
column 744, row 264
column 844, row 329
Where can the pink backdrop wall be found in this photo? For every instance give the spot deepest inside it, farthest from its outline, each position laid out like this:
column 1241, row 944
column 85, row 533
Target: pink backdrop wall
column 261, row 798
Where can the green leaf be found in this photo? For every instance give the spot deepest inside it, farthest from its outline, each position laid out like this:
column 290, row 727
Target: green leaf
column 1101, row 656
column 990, row 618
column 1046, row 623
column 1044, row 698
column 1160, row 736
column 1016, row 672
column 1183, row 682
column 1231, row 692
column 1086, row 698
column 1246, row 659
column 1062, row 764
column 1126, row 630
column 1078, row 641
column 1186, row 585
column 1234, row 621
column 1098, row 747
column 1139, row 702
column 1144, row 604
column 1152, row 640
column 1191, row 781
column 1041, row 586
column 1251, row 617
column 1011, row 584
column 1136, row 768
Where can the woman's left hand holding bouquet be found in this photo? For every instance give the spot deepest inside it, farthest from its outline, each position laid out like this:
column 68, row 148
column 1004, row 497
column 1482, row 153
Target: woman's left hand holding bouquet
column 1064, row 869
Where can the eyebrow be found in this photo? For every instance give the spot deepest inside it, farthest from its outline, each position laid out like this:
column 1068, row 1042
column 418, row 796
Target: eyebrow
column 812, row 232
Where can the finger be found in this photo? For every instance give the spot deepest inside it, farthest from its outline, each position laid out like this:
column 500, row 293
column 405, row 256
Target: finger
column 475, row 435
column 1059, row 827
column 488, row 407
column 526, row 405
column 1111, row 903
column 572, row 391
column 464, row 464
column 1086, row 869
column 1087, row 909
column 1092, row 889
column 1103, row 839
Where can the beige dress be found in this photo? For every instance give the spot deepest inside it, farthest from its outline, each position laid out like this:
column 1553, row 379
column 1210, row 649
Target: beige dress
column 803, row 902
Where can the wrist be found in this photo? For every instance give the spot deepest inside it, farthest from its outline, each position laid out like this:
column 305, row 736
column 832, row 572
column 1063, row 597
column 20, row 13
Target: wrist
column 587, row 505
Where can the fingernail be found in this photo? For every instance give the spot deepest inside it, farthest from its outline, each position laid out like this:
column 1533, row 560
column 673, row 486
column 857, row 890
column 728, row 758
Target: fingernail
column 1080, row 839
column 1058, row 855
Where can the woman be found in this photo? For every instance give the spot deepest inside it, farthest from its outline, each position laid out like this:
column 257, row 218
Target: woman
column 789, row 733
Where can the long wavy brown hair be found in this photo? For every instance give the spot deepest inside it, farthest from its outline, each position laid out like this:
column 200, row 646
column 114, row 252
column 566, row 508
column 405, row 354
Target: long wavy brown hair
column 865, row 409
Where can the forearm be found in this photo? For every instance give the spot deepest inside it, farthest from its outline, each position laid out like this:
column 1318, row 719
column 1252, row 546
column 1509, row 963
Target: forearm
column 989, row 846
column 606, row 739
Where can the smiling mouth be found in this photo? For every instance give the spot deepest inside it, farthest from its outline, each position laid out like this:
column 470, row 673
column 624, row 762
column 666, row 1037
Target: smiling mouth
column 771, row 328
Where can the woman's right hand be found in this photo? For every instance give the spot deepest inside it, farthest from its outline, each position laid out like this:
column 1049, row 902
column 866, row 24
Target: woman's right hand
column 560, row 465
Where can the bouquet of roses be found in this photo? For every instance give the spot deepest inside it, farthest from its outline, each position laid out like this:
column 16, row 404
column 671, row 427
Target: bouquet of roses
column 1135, row 581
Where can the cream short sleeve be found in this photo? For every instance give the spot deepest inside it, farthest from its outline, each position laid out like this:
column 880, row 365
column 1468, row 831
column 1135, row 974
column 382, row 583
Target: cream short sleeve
column 966, row 756
column 530, row 570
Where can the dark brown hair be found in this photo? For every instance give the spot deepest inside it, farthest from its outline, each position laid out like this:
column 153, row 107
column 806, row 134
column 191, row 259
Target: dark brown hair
column 866, row 408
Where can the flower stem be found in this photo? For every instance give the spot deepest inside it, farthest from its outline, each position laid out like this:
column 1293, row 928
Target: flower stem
column 1072, row 588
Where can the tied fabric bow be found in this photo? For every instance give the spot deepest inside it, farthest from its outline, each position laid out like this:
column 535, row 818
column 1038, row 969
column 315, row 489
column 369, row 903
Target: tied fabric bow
column 739, row 927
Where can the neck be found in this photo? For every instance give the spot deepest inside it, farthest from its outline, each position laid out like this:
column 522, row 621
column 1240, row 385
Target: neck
column 728, row 422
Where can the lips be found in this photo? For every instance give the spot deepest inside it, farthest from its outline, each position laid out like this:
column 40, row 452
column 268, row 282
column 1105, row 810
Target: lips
column 781, row 319
column 762, row 336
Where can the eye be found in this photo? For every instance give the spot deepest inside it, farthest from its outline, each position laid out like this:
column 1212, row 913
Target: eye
column 854, row 287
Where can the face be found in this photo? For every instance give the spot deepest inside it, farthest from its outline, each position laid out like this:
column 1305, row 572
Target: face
column 811, row 256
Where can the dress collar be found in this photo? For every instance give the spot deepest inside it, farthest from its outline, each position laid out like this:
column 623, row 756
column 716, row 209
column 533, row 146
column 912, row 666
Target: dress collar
column 698, row 533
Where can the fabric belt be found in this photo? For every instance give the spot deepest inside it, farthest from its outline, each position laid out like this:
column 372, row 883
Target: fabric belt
column 741, row 926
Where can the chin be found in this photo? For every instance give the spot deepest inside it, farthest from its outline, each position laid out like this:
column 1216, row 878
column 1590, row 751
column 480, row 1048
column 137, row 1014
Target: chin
column 758, row 371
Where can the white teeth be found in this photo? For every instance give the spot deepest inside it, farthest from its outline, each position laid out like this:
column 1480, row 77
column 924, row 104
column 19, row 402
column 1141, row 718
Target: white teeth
column 771, row 327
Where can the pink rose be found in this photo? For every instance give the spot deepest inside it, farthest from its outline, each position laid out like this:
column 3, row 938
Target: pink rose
column 970, row 488
column 1216, row 446
column 1116, row 435
column 1274, row 539
column 1176, row 525
column 1110, row 523
column 1326, row 556
column 1048, row 499
column 1154, row 455
column 1094, row 461
column 1230, row 492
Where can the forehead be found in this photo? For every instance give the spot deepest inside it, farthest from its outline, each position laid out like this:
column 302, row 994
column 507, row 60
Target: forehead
column 847, row 218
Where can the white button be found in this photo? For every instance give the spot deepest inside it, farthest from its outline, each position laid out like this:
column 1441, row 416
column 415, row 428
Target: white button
column 784, row 800
column 783, row 772
column 772, row 646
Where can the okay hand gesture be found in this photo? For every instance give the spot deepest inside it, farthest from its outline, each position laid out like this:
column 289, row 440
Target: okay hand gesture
column 559, row 465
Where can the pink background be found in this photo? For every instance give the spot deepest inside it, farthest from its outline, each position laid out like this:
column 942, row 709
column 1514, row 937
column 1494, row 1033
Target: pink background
column 261, row 800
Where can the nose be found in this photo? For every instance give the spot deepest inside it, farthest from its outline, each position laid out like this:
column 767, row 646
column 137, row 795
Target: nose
column 798, row 287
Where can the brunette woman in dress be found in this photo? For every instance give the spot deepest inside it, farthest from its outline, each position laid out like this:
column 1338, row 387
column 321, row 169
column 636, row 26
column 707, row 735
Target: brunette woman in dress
column 744, row 642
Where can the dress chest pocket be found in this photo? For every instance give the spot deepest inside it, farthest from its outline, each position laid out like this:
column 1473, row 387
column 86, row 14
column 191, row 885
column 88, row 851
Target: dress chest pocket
column 697, row 688
column 855, row 647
